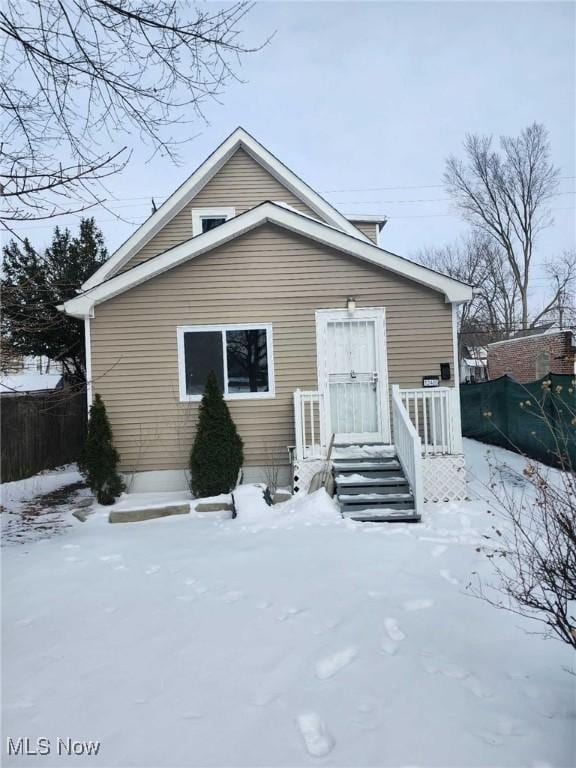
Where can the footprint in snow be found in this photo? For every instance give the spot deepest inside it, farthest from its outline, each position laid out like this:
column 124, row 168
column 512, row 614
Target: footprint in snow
column 448, row 577
column 109, row 558
column 152, row 570
column 24, row 622
column 317, row 738
column 366, row 706
column 389, row 644
column 454, row 671
column 331, row 665
column 193, row 714
column 531, row 692
column 489, row 737
column 478, row 688
column 446, row 668
column 327, row 626
column 518, row 675
column 233, row 596
column 70, row 546
column 264, row 698
column 418, row 605
column 24, row 704
column 393, row 630
column 439, row 550
column 287, row 613
column 509, row 726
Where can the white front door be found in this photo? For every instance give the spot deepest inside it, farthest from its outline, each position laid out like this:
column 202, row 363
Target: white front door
column 353, row 375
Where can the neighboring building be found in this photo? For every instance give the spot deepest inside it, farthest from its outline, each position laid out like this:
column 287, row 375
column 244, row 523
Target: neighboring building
column 474, row 365
column 308, row 324
column 531, row 354
column 21, row 374
column 26, row 382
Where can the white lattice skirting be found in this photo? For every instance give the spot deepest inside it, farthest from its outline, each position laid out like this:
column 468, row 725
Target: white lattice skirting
column 304, row 471
column 444, row 478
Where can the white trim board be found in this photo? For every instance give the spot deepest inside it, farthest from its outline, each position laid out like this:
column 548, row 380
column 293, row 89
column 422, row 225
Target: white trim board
column 88, row 353
column 201, row 176
column 356, row 218
column 453, row 290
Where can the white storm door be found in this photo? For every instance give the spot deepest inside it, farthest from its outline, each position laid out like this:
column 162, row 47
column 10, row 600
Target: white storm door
column 353, row 375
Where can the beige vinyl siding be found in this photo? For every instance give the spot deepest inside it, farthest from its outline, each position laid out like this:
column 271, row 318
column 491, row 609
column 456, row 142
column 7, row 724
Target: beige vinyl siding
column 270, row 276
column 368, row 228
column 241, row 183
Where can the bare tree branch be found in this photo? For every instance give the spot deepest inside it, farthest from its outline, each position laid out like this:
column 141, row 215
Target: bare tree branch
column 79, row 74
column 504, row 195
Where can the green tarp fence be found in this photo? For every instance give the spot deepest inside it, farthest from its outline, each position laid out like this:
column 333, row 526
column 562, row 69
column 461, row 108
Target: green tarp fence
column 536, row 419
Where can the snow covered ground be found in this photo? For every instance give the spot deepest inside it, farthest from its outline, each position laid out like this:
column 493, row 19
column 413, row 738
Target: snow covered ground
column 297, row 640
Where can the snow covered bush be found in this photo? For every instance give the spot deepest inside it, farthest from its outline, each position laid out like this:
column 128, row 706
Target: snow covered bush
column 217, row 456
column 99, row 458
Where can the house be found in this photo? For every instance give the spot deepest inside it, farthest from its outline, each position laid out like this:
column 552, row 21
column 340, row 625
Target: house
column 310, row 326
column 26, row 382
column 533, row 353
column 474, row 365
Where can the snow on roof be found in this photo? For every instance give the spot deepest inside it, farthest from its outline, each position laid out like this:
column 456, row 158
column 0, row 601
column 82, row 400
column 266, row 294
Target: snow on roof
column 539, row 330
column 19, row 383
column 474, row 363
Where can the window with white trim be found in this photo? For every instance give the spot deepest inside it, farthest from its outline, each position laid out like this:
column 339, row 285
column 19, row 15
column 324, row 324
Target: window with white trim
column 205, row 219
column 240, row 356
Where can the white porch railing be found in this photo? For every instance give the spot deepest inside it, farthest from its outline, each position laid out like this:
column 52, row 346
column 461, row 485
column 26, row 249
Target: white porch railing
column 408, row 448
column 309, row 425
column 435, row 414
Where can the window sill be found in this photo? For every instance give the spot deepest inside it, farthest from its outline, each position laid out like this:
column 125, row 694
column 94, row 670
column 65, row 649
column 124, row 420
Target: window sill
column 229, row 398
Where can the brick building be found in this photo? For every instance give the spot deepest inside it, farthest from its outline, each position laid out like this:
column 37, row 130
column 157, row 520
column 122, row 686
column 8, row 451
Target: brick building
column 533, row 353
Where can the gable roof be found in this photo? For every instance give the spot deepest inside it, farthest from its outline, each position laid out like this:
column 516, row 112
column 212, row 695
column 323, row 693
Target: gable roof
column 201, row 176
column 83, row 305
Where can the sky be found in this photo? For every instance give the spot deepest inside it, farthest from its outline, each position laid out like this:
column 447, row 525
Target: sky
column 366, row 100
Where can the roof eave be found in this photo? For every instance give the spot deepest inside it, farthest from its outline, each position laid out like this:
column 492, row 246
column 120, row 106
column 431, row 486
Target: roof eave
column 82, row 305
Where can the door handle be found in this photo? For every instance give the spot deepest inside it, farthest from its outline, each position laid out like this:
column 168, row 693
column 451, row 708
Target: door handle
column 375, row 380
column 352, row 374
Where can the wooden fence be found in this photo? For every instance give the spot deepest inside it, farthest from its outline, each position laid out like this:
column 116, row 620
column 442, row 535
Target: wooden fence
column 40, row 432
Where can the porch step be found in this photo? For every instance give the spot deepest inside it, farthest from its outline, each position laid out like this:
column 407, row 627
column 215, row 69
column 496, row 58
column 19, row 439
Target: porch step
column 371, row 485
column 373, row 498
column 365, row 465
column 382, row 515
column 380, row 478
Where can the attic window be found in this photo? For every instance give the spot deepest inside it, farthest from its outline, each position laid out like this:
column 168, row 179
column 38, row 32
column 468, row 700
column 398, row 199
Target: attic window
column 205, row 219
column 211, row 222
